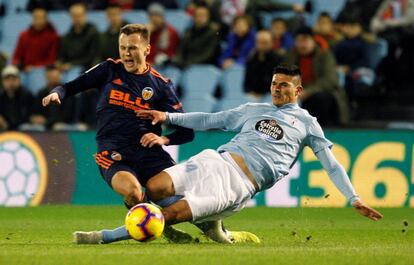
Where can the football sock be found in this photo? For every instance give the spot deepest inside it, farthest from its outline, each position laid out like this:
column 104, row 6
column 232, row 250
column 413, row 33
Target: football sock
column 168, row 201
column 120, row 233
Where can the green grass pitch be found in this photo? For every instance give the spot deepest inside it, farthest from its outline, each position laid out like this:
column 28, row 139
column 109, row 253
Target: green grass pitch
column 308, row 236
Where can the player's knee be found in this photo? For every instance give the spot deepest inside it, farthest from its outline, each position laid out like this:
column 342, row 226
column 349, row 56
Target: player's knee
column 157, row 189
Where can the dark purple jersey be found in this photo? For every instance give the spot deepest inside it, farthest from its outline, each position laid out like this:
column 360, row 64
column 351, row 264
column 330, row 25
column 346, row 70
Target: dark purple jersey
column 120, row 94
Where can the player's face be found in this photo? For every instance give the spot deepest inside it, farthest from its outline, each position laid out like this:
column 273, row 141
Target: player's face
column 133, row 51
column 285, row 89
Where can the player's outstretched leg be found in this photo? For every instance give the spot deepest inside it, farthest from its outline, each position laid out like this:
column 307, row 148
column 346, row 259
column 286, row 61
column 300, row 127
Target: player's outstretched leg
column 171, row 234
column 161, row 186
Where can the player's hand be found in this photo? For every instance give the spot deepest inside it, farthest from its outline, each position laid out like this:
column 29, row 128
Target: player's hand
column 154, row 115
column 51, row 99
column 367, row 211
column 151, row 139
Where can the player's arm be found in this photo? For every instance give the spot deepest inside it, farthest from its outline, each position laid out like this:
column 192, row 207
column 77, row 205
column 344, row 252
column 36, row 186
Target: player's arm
column 229, row 120
column 341, row 180
column 180, row 135
column 92, row 78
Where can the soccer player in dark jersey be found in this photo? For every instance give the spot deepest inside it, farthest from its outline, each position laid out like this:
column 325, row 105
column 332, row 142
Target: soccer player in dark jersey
column 129, row 149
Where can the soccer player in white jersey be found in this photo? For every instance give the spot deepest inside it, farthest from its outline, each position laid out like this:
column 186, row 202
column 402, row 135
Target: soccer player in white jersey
column 216, row 184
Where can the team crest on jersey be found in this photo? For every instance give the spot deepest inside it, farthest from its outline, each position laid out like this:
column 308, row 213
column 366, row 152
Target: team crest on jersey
column 147, row 93
column 269, row 130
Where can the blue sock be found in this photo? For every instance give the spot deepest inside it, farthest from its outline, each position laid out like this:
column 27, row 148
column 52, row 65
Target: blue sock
column 120, row 233
column 168, row 201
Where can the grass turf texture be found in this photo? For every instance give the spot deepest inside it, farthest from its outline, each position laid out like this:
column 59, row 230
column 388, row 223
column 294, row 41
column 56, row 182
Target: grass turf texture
column 308, row 236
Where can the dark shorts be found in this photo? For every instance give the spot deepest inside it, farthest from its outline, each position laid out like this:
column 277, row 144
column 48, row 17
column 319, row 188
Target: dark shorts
column 142, row 163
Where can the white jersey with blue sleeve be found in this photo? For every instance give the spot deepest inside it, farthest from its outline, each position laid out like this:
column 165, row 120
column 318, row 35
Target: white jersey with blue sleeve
column 269, row 138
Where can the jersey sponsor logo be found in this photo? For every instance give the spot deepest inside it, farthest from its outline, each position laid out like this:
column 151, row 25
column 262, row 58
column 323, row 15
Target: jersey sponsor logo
column 269, row 130
column 126, row 100
column 147, row 93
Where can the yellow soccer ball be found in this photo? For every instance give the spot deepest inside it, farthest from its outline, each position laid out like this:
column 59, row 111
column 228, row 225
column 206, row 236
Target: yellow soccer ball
column 144, row 222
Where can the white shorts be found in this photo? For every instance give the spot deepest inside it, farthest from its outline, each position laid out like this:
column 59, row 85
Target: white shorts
column 212, row 184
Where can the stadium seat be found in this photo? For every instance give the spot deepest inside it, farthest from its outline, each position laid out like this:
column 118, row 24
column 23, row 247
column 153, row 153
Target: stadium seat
column 199, row 83
column 206, row 104
column 34, row 80
column 232, row 81
column 11, row 34
column 200, row 80
column 232, row 84
column 376, row 52
column 16, row 6
column 98, row 18
column 135, row 16
column 341, row 78
column 61, row 21
column 71, row 74
column 178, row 19
column 172, row 73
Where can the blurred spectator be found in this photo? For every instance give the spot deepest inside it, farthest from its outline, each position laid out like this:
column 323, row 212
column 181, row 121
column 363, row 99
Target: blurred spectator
column 325, row 30
column 15, row 101
column 254, row 7
column 164, row 38
column 260, row 65
column 392, row 16
column 394, row 22
column 200, row 43
column 361, row 10
column 54, row 116
column 212, row 5
column 80, row 46
column 351, row 55
column 240, row 42
column 322, row 97
column 38, row 45
column 144, row 4
column 282, row 38
column 109, row 40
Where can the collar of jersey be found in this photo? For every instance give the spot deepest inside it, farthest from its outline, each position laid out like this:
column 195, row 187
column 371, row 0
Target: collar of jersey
column 146, row 70
column 287, row 106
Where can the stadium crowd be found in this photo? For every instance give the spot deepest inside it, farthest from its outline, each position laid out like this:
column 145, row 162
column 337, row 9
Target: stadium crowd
column 356, row 65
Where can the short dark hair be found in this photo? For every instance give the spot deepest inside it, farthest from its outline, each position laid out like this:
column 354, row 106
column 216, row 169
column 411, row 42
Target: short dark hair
column 113, row 5
column 246, row 18
column 51, row 67
column 279, row 19
column 140, row 29
column 307, row 31
column 325, row 14
column 287, row 69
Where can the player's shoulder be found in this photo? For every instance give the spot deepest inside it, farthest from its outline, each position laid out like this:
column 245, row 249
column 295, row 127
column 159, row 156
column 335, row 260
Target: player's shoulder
column 157, row 76
column 306, row 117
column 113, row 62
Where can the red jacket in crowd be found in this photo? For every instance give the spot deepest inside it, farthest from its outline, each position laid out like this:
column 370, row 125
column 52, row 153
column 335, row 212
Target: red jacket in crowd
column 165, row 41
column 36, row 48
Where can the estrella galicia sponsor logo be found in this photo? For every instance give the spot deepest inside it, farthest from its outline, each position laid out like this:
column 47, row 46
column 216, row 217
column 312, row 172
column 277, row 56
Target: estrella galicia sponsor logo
column 147, row 93
column 269, row 130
